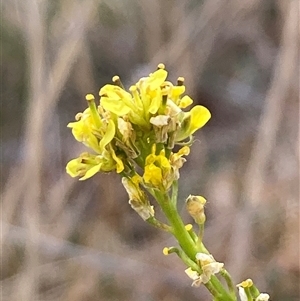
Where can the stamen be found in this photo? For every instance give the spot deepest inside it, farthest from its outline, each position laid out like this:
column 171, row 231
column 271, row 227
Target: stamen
column 160, row 66
column 134, row 91
column 90, row 97
column 180, row 81
column 78, row 116
column 116, row 80
column 188, row 227
column 93, row 109
column 166, row 251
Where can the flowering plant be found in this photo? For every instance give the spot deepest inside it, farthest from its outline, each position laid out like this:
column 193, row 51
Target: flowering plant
column 144, row 135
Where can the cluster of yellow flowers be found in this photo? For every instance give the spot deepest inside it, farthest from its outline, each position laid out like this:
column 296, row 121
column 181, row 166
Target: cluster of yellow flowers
column 144, row 135
column 137, row 128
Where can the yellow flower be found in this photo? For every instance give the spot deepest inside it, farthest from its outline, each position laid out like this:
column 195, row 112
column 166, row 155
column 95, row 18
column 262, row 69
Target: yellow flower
column 150, row 91
column 161, row 172
column 122, row 128
column 91, row 130
column 84, row 166
column 87, row 165
column 193, row 121
column 158, row 170
column 146, row 98
column 116, row 100
column 84, row 130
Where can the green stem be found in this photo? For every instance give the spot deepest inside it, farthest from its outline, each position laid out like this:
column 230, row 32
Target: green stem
column 174, row 196
column 156, row 223
column 201, row 233
column 223, row 294
column 229, row 281
column 186, row 242
column 179, row 230
column 188, row 262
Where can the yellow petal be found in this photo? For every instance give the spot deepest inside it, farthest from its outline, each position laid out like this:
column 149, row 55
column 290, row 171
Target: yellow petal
column 114, row 92
column 109, row 135
column 184, row 151
column 155, row 103
column 193, row 121
column 185, row 101
column 153, row 175
column 72, row 167
column 115, row 106
column 119, row 162
column 156, row 79
column 78, row 129
column 91, row 172
column 116, row 100
column 164, row 162
column 177, row 91
column 199, row 117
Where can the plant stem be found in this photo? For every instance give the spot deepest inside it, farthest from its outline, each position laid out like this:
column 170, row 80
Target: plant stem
column 186, row 242
column 229, row 281
column 179, row 230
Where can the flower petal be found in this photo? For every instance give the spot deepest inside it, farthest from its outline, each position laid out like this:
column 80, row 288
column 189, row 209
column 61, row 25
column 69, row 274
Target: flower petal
column 72, row 167
column 185, row 101
column 91, row 172
column 199, row 117
column 119, row 162
column 115, row 106
column 156, row 79
column 109, row 135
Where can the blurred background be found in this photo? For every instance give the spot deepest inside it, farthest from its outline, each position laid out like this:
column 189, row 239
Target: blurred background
column 67, row 240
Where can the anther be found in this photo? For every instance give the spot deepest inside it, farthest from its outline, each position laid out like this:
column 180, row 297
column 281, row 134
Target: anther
column 78, row 116
column 160, row 66
column 133, row 88
column 180, row 81
column 188, row 227
column 116, row 80
column 166, row 251
column 90, row 97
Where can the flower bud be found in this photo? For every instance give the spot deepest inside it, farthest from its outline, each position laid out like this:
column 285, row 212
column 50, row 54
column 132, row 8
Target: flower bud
column 195, row 207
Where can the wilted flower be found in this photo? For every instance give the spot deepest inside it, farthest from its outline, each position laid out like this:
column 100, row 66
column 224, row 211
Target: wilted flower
column 209, row 266
column 194, row 276
column 137, row 197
